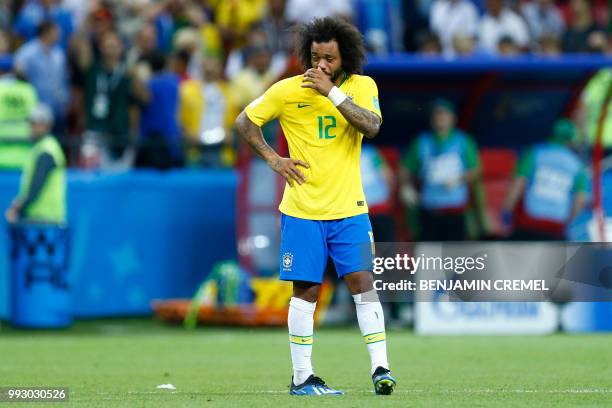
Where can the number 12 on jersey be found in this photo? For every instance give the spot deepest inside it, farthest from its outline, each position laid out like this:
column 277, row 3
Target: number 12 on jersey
column 326, row 123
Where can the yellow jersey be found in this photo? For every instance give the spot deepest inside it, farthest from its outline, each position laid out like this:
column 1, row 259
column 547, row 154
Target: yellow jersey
column 318, row 134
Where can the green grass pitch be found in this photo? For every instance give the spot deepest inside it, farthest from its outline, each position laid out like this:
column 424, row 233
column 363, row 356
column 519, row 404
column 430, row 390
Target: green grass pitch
column 118, row 363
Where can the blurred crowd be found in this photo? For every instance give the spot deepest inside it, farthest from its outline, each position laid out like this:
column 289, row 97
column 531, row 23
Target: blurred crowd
column 144, row 83
column 507, row 27
column 158, row 83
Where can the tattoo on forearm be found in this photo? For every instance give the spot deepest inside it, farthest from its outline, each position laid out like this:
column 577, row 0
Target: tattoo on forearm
column 365, row 121
column 253, row 136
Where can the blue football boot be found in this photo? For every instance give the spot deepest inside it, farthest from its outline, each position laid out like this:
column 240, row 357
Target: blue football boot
column 384, row 383
column 312, row 386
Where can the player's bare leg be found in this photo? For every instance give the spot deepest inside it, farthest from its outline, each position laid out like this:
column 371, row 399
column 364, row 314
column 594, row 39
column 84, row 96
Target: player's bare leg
column 307, row 291
column 372, row 325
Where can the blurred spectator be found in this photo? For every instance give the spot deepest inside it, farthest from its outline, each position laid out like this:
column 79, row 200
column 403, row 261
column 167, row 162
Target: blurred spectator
column 301, row 11
column 549, row 45
column 543, row 18
column 199, row 37
column 415, row 16
column 6, row 14
column 17, row 100
column 207, row 113
column 499, row 21
column 42, row 194
column 582, row 25
column 173, row 16
column 34, row 12
column 597, row 42
column 235, row 17
column 591, row 103
column 381, row 25
column 97, row 23
column 145, row 44
column 549, row 188
column 5, row 42
column 600, row 10
column 189, row 41
column 160, row 145
column 451, row 18
column 444, row 164
column 507, row 47
column 43, row 63
column 109, row 92
column 131, row 16
column 210, row 33
column 429, row 44
column 601, row 13
column 79, row 10
column 180, row 64
column 278, row 33
column 465, row 46
column 255, row 77
column 237, row 59
column 378, row 186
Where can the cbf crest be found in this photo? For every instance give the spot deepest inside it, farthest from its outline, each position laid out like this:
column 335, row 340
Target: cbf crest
column 287, row 260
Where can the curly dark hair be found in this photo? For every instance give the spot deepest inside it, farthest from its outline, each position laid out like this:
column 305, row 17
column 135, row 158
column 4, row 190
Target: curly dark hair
column 349, row 39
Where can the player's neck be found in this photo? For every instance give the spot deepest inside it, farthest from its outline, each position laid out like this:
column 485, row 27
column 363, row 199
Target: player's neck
column 340, row 78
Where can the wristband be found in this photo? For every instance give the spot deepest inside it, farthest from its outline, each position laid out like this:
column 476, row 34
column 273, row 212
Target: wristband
column 336, row 96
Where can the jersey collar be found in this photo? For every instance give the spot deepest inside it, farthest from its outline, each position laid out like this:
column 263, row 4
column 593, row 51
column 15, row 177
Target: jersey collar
column 344, row 78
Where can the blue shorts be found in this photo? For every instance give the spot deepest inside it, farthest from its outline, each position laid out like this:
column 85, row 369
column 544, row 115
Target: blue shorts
column 306, row 244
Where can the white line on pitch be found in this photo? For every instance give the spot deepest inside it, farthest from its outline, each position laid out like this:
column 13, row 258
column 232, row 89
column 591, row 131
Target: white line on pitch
column 405, row 391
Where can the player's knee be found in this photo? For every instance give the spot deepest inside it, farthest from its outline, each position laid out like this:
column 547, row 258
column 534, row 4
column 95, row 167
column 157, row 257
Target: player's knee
column 307, row 291
column 359, row 282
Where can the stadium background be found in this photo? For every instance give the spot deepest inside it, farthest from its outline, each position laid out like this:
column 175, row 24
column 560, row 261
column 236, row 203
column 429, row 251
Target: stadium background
column 152, row 221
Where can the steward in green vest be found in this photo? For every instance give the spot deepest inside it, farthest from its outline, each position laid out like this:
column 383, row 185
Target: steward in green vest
column 17, row 99
column 42, row 193
column 445, row 165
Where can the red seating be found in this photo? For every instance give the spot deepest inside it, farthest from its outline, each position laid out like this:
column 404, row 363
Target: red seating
column 497, row 173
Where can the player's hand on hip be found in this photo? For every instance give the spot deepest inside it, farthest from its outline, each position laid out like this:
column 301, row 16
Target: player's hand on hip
column 317, row 80
column 287, row 168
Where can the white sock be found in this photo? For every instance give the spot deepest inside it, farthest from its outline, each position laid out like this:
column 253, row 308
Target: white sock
column 301, row 327
column 372, row 325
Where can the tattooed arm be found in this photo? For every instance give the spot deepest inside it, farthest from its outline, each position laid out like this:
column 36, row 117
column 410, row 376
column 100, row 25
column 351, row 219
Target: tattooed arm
column 364, row 120
column 286, row 167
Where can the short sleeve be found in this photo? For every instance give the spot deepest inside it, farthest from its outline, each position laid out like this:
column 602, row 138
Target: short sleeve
column 525, row 164
column 367, row 95
column 581, row 184
column 472, row 158
column 410, row 159
column 268, row 106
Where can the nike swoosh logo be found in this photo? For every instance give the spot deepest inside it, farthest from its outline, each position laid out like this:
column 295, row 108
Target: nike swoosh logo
column 304, row 341
column 370, row 338
column 300, row 105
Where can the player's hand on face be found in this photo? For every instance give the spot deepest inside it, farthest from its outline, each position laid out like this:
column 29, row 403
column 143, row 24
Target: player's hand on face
column 287, row 168
column 317, row 80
